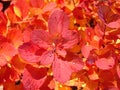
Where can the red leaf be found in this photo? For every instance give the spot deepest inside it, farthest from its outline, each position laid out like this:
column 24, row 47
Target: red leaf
column 78, row 13
column 38, row 24
column 49, row 7
column 76, row 64
column 40, row 37
column 3, row 23
column 91, row 59
column 104, row 12
column 99, row 30
column 105, row 63
column 11, row 15
column 118, row 71
column 107, row 85
column 60, row 1
column 7, row 74
column 33, row 78
column 61, row 70
column 61, row 52
column 115, row 24
column 28, row 52
column 36, row 72
column 89, row 34
column 1, row 6
column 18, row 63
column 37, row 3
column 23, row 6
column 45, row 86
column 47, row 58
column 8, row 50
column 114, row 88
column 16, row 37
column 106, row 75
column 3, row 61
column 86, row 50
column 26, row 35
column 118, row 82
column 10, row 85
column 58, row 22
column 70, row 38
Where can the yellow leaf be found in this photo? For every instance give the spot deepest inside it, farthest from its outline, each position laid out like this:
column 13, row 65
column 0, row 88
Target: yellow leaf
column 17, row 11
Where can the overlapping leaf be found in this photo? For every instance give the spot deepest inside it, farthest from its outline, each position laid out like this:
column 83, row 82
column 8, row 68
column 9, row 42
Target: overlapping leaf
column 61, row 70
column 3, row 60
column 23, row 8
column 105, row 63
column 37, row 3
column 37, row 32
column 58, row 22
column 28, row 52
column 33, row 77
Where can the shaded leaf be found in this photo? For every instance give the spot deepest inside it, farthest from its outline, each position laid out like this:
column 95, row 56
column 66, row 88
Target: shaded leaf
column 104, row 12
column 106, row 75
column 18, row 63
column 3, row 23
column 38, row 24
column 8, row 74
column 11, row 86
column 1, row 6
column 45, row 85
column 33, row 78
column 118, row 71
column 78, row 13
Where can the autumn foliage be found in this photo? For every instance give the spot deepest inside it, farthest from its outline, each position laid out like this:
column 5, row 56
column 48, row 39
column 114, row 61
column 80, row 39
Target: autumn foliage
column 60, row 45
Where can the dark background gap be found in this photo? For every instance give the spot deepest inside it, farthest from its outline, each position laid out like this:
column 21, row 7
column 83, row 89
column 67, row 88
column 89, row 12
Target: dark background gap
column 5, row 4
